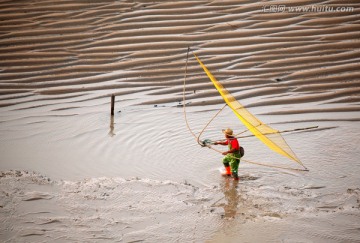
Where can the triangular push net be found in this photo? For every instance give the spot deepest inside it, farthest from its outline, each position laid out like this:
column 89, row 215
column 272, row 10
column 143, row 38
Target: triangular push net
column 269, row 136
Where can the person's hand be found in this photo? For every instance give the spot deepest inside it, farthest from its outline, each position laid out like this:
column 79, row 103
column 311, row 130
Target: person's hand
column 225, row 153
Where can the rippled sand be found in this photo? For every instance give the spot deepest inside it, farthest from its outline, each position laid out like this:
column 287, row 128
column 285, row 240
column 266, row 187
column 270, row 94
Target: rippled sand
column 140, row 176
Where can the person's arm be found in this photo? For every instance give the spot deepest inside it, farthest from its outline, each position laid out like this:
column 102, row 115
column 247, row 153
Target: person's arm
column 220, row 142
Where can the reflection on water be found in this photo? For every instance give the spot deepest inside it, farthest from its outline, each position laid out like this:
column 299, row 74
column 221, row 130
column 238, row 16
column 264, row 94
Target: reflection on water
column 231, row 196
column 112, row 127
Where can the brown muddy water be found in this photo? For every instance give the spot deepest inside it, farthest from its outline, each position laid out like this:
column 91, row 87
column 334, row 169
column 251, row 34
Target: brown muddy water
column 72, row 173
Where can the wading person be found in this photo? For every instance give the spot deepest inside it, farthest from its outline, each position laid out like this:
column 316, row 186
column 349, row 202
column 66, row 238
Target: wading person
column 231, row 160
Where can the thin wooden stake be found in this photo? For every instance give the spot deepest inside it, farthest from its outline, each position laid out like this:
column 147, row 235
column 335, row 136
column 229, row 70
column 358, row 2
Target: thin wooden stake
column 112, row 104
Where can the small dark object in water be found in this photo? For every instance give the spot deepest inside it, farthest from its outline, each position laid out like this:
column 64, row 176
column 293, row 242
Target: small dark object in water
column 206, row 143
column 278, row 79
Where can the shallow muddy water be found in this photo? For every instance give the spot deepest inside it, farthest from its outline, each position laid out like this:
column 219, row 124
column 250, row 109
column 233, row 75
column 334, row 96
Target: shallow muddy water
column 146, row 158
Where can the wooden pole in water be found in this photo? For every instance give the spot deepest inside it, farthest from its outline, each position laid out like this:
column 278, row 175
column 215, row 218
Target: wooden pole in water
column 112, row 104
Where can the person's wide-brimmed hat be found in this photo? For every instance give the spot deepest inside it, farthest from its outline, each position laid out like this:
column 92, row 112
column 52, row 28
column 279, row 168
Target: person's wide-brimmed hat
column 228, row 132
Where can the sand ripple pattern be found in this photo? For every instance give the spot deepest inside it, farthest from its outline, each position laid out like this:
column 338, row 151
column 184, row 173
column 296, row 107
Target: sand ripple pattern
column 87, row 50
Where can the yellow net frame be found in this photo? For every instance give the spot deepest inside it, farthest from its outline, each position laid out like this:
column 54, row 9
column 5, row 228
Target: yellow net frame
column 269, row 136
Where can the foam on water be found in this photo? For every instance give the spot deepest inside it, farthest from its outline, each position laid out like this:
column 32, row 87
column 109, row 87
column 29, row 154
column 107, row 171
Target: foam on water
column 114, row 208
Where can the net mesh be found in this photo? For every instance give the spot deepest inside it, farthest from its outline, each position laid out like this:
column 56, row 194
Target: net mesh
column 269, row 136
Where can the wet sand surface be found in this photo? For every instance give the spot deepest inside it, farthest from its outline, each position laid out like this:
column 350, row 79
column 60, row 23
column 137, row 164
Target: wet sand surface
column 71, row 173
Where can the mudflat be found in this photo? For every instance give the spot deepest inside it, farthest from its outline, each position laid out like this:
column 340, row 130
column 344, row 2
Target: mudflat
column 71, row 172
